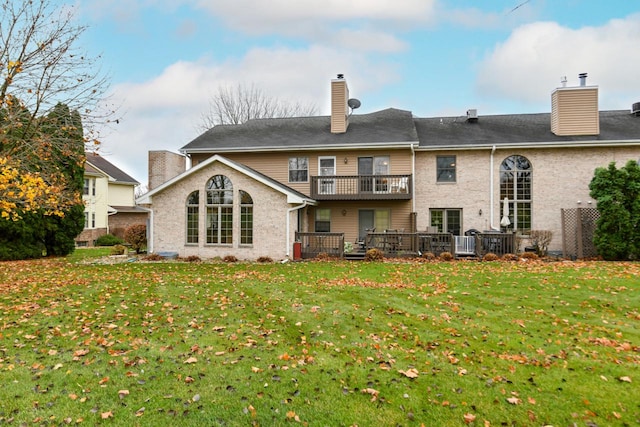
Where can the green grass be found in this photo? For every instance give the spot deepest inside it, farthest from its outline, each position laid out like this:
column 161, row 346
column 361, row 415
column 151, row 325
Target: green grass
column 319, row 344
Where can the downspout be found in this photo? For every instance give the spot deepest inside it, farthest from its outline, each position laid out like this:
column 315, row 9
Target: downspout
column 288, row 243
column 491, row 207
column 150, row 232
column 413, row 178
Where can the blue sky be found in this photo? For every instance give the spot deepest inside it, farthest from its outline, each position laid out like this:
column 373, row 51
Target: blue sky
column 432, row 57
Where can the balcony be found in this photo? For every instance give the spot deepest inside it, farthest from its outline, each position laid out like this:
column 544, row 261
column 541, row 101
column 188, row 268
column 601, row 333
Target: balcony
column 361, row 187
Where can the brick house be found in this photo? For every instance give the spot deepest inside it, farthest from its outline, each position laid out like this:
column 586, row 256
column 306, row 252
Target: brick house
column 348, row 174
column 109, row 198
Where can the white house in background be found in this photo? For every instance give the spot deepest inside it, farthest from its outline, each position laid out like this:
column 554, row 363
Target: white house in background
column 109, row 199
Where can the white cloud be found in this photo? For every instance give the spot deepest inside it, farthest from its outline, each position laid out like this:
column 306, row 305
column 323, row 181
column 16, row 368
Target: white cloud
column 528, row 66
column 164, row 113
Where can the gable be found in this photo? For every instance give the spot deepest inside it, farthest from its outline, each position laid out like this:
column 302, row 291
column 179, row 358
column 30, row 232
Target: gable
column 207, row 167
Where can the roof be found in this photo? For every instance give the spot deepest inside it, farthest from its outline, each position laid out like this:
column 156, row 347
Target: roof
column 293, row 196
column 520, row 129
column 390, row 126
column 97, row 162
column 129, row 209
column 394, row 127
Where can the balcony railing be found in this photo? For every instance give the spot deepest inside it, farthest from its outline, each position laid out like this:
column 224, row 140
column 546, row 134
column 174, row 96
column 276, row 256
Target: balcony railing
column 361, row 187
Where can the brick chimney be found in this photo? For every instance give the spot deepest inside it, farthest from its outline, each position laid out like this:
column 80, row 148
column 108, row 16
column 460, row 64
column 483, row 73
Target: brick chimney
column 164, row 165
column 339, row 106
column 574, row 110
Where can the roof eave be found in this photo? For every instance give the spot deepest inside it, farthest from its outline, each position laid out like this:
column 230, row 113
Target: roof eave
column 315, row 147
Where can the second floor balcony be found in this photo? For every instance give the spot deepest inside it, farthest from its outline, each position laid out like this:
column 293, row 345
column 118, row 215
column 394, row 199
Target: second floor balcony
column 361, row 187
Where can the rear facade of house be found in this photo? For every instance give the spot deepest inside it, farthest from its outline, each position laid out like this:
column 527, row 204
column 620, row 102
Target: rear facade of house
column 356, row 174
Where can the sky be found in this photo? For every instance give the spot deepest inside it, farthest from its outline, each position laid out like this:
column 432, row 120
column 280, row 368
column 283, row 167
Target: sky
column 166, row 58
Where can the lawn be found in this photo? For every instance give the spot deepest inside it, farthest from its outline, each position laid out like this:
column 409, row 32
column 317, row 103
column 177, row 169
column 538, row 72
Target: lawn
column 319, row 343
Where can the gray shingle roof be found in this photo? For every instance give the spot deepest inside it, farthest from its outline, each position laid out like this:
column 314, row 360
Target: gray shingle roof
column 386, row 126
column 398, row 126
column 110, row 169
column 617, row 125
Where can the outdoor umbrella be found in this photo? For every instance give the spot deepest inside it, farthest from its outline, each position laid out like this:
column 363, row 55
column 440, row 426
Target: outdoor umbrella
column 505, row 222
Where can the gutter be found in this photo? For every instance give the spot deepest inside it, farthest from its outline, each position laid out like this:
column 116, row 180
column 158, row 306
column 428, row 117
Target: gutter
column 288, row 222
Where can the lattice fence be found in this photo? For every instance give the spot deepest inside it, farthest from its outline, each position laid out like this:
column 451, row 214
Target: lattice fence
column 578, row 228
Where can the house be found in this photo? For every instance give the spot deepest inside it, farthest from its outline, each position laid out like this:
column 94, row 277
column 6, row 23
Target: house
column 109, row 198
column 348, row 174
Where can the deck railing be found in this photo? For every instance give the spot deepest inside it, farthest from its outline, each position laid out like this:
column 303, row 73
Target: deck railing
column 313, row 244
column 394, row 243
column 361, row 187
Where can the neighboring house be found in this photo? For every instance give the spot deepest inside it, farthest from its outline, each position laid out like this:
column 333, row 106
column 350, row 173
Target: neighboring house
column 387, row 170
column 109, row 198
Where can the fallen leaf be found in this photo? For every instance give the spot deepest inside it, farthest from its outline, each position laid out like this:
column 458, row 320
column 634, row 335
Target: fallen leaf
column 191, row 360
column 625, row 379
column 514, row 400
column 410, row 373
column 123, row 393
column 106, row 415
column 469, row 418
column 373, row 392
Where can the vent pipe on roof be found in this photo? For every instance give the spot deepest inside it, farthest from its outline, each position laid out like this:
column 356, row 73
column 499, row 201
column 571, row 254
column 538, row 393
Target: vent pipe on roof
column 563, row 81
column 635, row 109
column 583, row 79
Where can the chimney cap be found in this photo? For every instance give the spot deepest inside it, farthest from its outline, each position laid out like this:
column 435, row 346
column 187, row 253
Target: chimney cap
column 340, row 76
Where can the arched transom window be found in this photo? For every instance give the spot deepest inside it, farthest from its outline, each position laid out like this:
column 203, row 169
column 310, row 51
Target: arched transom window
column 219, row 206
column 515, row 186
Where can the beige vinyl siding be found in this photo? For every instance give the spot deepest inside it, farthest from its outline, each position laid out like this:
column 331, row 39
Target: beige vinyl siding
column 348, row 223
column 276, row 164
column 575, row 111
column 339, row 97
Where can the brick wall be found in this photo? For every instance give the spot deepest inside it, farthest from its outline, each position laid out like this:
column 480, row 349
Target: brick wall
column 561, row 178
column 269, row 213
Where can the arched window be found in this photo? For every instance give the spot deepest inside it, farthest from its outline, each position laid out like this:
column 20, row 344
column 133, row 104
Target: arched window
column 246, row 218
column 515, row 186
column 219, row 210
column 193, row 213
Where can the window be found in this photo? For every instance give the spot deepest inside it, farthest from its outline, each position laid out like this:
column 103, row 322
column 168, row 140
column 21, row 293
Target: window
column 219, row 210
column 93, row 220
column 85, row 189
column 515, row 186
column 298, row 169
column 327, row 167
column 323, row 220
column 86, row 220
column 447, row 220
column 446, row 169
column 246, row 218
column 193, row 213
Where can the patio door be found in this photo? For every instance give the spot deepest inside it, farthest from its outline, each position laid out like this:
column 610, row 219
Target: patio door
column 326, row 167
column 368, row 167
column 380, row 219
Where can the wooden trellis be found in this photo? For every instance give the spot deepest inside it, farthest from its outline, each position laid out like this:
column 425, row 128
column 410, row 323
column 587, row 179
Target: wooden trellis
column 578, row 228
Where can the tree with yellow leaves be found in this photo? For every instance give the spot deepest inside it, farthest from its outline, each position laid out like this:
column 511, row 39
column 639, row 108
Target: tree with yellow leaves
column 50, row 101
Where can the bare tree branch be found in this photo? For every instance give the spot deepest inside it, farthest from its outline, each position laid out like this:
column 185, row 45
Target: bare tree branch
column 235, row 105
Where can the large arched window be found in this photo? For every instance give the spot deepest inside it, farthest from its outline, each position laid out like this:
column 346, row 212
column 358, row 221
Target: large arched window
column 219, row 210
column 515, row 186
column 246, row 218
column 193, row 213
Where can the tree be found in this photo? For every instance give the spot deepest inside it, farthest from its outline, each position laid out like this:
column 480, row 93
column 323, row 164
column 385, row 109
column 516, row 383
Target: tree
column 30, row 230
column 617, row 191
column 41, row 67
column 235, row 105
